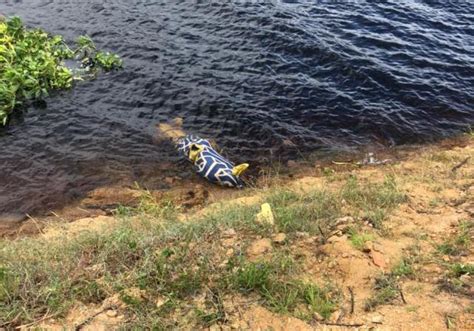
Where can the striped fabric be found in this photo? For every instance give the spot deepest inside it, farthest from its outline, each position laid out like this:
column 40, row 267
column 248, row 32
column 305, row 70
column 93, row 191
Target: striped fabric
column 208, row 163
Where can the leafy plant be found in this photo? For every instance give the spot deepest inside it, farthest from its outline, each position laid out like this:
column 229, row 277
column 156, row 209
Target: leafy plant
column 32, row 64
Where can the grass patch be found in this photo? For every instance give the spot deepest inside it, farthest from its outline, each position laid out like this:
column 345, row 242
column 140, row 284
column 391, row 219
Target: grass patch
column 403, row 269
column 317, row 210
column 149, row 207
column 32, row 64
column 386, row 291
column 358, row 239
column 163, row 259
column 460, row 243
column 305, row 213
column 151, row 252
column 459, row 269
column 282, row 295
column 387, row 288
column 453, row 280
column 373, row 201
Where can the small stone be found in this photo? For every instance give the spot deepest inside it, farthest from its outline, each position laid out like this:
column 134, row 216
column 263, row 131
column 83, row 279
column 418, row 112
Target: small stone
column 465, row 279
column 345, row 255
column 335, row 316
column 377, row 247
column 229, row 252
column 318, row 317
column 135, row 293
column 378, row 259
column 345, row 220
column 446, row 258
column 229, row 233
column 160, row 301
column 342, row 227
column 377, row 319
column 111, row 313
column 279, row 238
column 299, row 234
column 368, row 247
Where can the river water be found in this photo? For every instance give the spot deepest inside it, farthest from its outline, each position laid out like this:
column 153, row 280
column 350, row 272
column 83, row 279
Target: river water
column 267, row 80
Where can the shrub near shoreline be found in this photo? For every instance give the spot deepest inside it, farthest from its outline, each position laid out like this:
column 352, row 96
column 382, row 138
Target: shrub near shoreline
column 32, row 64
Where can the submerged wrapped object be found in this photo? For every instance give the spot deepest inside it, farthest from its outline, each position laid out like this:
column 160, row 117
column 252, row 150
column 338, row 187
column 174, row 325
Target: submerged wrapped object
column 209, row 164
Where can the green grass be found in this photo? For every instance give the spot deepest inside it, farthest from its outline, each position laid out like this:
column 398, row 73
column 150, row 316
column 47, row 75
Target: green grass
column 39, row 276
column 460, row 243
column 316, row 211
column 386, row 291
column 151, row 251
column 282, row 295
column 459, row 269
column 452, row 281
column 387, row 287
column 457, row 246
column 32, row 64
column 358, row 239
column 373, row 201
column 403, row 269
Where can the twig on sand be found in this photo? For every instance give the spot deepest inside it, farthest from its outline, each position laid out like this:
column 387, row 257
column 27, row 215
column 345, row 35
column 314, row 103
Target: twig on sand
column 45, row 317
column 322, row 234
column 401, row 295
column 351, row 291
column 87, row 320
column 459, row 165
column 355, row 325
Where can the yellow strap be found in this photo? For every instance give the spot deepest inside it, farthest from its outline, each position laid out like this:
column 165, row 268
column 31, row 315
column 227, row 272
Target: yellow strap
column 239, row 169
column 194, row 151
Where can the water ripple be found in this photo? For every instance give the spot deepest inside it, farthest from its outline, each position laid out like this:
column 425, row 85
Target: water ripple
column 251, row 74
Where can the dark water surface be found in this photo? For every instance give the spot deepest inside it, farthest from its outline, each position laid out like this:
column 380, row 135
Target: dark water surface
column 258, row 76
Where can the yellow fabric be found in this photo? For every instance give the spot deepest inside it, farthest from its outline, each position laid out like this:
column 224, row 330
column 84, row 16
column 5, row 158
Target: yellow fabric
column 194, row 152
column 239, row 169
column 266, row 215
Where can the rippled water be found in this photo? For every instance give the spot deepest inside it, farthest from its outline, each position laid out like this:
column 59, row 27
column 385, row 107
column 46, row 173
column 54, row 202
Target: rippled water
column 258, row 76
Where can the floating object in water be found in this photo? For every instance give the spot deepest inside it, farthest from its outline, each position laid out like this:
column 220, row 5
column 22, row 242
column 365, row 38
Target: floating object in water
column 209, row 164
column 207, row 161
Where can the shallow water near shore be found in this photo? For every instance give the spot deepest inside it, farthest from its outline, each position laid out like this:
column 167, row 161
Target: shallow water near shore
column 268, row 80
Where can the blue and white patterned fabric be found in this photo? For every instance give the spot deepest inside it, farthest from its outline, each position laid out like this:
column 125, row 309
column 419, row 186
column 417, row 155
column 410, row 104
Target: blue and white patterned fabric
column 184, row 144
column 208, row 163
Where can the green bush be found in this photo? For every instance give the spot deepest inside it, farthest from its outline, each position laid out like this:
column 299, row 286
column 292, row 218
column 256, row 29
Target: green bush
column 32, row 64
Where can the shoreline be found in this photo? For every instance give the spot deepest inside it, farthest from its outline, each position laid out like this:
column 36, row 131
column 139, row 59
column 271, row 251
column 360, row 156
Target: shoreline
column 354, row 246
column 191, row 191
column 349, row 246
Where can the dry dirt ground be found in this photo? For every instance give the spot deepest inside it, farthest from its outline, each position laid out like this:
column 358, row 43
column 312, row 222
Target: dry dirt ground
column 439, row 182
